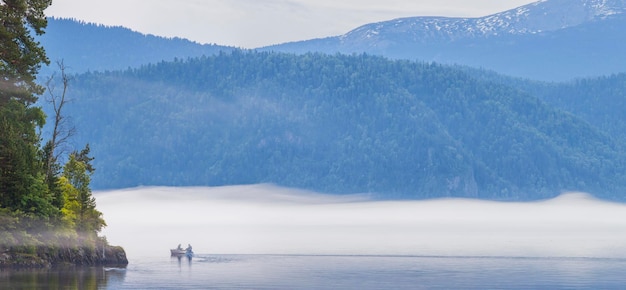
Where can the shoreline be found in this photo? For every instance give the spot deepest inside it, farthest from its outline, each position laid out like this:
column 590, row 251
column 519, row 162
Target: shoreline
column 36, row 257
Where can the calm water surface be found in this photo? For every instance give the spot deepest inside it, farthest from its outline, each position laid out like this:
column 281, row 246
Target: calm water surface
column 333, row 272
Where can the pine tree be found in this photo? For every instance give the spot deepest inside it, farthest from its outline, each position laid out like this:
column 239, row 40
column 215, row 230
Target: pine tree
column 20, row 59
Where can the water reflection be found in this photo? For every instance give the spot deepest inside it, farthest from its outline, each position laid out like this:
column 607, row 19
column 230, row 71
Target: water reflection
column 181, row 258
column 62, row 278
column 331, row 272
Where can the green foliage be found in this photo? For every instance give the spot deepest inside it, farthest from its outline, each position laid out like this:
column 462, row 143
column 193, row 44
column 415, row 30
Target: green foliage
column 80, row 205
column 36, row 204
column 21, row 55
column 20, row 59
column 38, row 201
column 71, row 207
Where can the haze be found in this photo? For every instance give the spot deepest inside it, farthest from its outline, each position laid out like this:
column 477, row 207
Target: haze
column 265, row 219
column 252, row 24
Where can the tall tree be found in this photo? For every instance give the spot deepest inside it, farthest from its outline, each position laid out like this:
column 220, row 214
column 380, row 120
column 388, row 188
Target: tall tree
column 62, row 131
column 20, row 55
column 77, row 172
column 20, row 60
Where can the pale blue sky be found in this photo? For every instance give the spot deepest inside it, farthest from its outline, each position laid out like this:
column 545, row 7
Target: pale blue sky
column 256, row 23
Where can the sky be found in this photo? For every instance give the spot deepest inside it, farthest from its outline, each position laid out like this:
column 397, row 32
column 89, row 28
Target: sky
column 257, row 23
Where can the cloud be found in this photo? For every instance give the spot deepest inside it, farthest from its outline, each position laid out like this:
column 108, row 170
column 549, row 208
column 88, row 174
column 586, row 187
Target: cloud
column 264, row 219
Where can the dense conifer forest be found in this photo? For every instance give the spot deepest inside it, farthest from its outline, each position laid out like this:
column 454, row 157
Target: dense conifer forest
column 348, row 124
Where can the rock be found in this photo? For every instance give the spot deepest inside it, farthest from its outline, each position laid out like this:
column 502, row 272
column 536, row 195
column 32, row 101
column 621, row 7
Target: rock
column 48, row 256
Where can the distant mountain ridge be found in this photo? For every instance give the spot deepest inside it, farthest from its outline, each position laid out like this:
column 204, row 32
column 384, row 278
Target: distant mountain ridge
column 529, row 19
column 93, row 47
column 546, row 40
column 551, row 40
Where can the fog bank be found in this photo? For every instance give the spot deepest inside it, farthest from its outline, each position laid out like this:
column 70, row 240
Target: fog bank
column 265, row 219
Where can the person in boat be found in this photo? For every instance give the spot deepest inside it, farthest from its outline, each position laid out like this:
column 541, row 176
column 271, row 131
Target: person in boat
column 179, row 247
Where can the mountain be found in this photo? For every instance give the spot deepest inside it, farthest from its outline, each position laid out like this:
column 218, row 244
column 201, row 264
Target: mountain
column 161, row 111
column 91, row 47
column 599, row 101
column 542, row 16
column 537, row 41
column 337, row 124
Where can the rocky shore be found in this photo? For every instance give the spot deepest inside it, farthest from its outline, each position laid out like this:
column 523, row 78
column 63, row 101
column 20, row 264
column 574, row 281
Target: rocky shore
column 50, row 256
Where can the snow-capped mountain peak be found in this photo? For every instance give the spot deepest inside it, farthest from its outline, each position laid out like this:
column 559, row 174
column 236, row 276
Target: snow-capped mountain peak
column 537, row 17
column 549, row 40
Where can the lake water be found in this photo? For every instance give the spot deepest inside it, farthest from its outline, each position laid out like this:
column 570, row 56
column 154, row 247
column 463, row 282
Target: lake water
column 333, row 272
column 267, row 237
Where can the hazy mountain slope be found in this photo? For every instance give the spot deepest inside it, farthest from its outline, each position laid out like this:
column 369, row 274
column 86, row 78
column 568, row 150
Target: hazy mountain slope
column 548, row 40
column 339, row 124
column 90, row 47
column 600, row 101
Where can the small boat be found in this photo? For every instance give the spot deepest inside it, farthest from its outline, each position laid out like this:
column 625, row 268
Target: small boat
column 178, row 252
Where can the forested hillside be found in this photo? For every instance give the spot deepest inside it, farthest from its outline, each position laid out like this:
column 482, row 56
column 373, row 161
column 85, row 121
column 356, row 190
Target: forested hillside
column 337, row 124
column 601, row 101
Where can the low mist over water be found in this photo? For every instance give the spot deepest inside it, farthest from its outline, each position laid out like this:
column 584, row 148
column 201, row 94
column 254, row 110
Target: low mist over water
column 265, row 219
